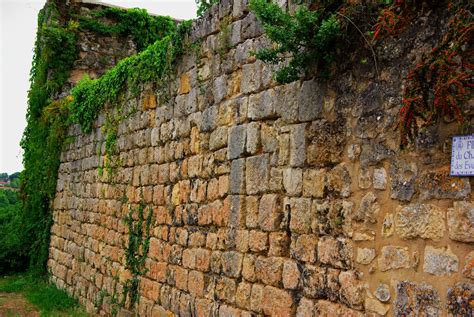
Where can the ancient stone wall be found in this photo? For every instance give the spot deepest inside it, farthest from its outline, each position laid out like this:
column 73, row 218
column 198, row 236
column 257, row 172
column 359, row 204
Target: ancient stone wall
column 280, row 200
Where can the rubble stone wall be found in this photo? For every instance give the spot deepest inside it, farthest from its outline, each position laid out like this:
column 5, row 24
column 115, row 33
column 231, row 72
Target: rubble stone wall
column 278, row 200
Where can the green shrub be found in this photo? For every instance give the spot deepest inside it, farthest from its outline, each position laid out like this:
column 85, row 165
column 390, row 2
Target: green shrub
column 12, row 243
column 308, row 37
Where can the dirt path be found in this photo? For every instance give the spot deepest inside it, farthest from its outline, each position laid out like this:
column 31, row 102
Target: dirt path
column 13, row 305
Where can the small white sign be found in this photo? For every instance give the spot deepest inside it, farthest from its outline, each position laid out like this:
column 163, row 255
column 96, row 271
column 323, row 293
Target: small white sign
column 462, row 156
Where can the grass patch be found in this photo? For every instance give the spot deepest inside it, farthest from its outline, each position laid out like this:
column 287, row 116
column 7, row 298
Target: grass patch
column 49, row 300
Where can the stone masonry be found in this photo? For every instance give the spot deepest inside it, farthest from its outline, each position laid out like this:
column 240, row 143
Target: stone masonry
column 269, row 200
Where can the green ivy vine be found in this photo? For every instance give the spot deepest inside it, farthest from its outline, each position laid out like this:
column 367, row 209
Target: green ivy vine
column 160, row 41
column 55, row 51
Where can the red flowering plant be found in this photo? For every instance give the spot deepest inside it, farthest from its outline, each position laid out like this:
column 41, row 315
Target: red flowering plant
column 439, row 84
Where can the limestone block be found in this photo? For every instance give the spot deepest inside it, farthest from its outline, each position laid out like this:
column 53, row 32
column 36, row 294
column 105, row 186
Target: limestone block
column 218, row 139
column 269, row 270
column 237, row 177
column 256, row 174
column 303, row 248
column 270, row 212
column 365, row 255
column 393, row 257
column 297, row 145
column 261, row 106
column 277, row 302
column 290, row 274
column 237, row 140
column 403, row 176
column 300, row 211
column 468, row 270
column 459, row 299
column 335, row 252
column 416, row 299
column 440, row 261
column 293, row 181
column 232, row 263
column 461, row 221
column 424, row 221
column 310, row 101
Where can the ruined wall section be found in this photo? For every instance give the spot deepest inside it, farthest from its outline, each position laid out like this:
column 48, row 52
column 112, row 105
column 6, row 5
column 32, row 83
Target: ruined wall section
column 268, row 199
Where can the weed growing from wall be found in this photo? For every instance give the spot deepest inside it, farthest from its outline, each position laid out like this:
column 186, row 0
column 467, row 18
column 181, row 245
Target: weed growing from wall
column 136, row 250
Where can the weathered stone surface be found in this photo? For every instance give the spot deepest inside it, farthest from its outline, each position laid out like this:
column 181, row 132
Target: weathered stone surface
column 380, row 178
column 270, row 212
column 375, row 306
column 310, row 101
column 365, row 178
column 304, row 247
column 368, row 209
column 220, row 88
column 461, row 221
column 352, row 290
column 297, row 145
column 440, row 261
column 460, row 300
column 253, row 137
column 365, row 255
column 339, row 181
column 468, row 270
column 393, row 257
column 256, row 174
column 209, row 119
column 305, row 308
column 261, row 106
column 218, row 139
column 335, row 252
column 313, row 280
column 232, row 263
column 237, row 138
column 277, row 302
column 416, row 299
column 333, row 218
column 326, row 142
column 269, row 270
column 403, row 176
column 290, row 274
column 293, row 181
column 314, row 183
column 300, row 214
column 374, row 153
column 237, row 177
column 383, row 293
column 440, row 185
column 327, row 308
column 388, row 226
column 250, row 78
column 424, row 221
column 279, row 244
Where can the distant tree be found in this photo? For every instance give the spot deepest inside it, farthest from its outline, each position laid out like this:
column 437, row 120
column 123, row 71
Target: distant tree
column 3, row 177
column 14, row 176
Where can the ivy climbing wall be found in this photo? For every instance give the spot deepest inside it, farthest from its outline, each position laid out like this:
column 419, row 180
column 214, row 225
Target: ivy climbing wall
column 231, row 195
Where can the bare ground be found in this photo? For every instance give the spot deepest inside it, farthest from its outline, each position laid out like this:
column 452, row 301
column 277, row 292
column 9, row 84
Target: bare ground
column 15, row 305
